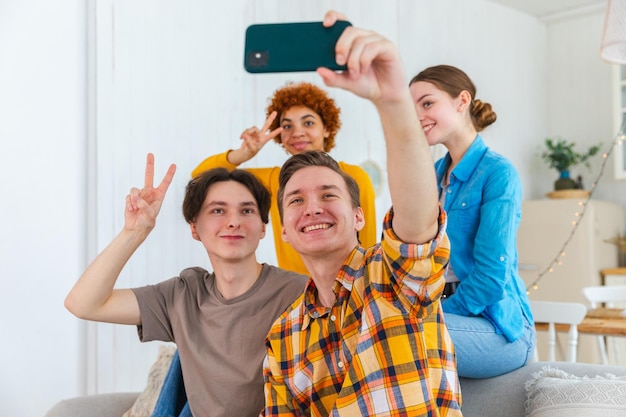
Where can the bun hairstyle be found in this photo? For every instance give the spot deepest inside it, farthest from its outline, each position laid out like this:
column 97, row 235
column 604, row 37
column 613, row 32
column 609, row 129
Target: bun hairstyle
column 307, row 95
column 452, row 80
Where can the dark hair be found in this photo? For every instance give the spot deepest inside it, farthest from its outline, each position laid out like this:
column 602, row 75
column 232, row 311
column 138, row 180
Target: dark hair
column 452, row 80
column 198, row 188
column 307, row 95
column 314, row 158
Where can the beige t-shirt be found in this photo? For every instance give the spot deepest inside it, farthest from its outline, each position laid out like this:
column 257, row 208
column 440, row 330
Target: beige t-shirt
column 221, row 342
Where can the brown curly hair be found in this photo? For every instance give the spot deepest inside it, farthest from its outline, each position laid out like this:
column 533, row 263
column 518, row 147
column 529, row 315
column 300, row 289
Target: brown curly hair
column 311, row 96
column 452, row 80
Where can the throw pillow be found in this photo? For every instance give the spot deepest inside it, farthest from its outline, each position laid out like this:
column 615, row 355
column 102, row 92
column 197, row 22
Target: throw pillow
column 145, row 402
column 555, row 393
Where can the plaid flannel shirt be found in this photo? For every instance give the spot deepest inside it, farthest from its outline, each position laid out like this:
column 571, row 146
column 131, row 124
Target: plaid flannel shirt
column 381, row 350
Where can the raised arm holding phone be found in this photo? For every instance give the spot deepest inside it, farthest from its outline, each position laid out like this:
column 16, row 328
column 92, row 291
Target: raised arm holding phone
column 367, row 337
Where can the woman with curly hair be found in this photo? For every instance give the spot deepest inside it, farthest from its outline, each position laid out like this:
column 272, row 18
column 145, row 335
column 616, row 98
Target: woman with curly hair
column 300, row 117
column 486, row 307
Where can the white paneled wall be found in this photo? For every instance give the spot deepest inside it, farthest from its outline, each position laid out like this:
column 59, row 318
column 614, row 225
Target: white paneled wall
column 581, row 91
column 166, row 76
column 42, row 208
column 169, row 79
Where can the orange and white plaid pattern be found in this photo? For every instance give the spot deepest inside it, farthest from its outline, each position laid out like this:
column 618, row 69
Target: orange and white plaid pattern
column 381, row 350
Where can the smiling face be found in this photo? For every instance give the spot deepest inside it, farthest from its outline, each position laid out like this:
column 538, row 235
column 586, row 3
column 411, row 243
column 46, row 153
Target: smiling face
column 229, row 224
column 319, row 217
column 303, row 130
column 441, row 116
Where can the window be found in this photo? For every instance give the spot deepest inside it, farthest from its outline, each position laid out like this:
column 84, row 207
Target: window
column 619, row 152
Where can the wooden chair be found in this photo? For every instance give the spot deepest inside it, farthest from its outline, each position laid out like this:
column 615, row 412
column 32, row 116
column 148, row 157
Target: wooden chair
column 557, row 312
column 610, row 296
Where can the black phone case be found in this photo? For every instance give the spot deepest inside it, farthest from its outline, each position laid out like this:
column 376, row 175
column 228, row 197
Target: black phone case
column 292, row 47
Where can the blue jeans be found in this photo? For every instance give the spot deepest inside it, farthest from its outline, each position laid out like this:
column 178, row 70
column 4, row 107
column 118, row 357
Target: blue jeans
column 481, row 352
column 172, row 401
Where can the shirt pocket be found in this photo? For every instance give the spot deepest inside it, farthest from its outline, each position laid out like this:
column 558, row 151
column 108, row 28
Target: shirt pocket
column 464, row 213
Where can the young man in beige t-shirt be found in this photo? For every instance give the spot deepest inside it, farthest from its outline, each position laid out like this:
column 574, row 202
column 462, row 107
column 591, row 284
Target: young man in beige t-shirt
column 218, row 320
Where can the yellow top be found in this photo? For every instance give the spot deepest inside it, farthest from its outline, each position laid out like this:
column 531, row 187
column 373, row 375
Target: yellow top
column 287, row 257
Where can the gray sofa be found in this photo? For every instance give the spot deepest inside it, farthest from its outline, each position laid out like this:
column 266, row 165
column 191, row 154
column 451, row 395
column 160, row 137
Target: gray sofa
column 502, row 396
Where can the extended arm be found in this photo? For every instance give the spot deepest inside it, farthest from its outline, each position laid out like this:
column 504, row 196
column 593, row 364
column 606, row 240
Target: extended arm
column 375, row 72
column 93, row 296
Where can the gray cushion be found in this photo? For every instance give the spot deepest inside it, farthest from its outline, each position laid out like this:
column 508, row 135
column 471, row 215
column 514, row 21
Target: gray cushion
column 505, row 395
column 502, row 396
column 100, row 405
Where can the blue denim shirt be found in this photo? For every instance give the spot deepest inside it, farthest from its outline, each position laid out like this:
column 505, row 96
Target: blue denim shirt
column 484, row 206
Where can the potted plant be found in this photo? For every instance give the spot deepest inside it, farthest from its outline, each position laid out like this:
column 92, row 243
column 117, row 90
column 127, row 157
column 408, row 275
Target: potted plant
column 561, row 156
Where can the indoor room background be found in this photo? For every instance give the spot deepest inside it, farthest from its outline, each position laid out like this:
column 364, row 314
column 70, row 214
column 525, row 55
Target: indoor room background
column 88, row 88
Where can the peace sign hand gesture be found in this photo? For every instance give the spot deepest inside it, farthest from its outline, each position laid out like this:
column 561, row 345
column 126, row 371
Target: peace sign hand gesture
column 143, row 205
column 253, row 140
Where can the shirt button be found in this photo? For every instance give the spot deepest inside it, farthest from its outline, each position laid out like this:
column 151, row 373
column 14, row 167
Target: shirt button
column 316, row 314
column 502, row 258
column 332, row 317
column 449, row 191
column 462, row 204
column 340, row 364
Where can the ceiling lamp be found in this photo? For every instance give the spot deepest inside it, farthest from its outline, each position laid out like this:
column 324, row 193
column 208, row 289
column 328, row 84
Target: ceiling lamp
column 613, row 47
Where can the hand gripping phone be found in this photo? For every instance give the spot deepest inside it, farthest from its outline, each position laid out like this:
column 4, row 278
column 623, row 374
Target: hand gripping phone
column 292, row 47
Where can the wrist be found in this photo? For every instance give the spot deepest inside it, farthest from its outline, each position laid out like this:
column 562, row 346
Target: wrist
column 135, row 236
column 236, row 157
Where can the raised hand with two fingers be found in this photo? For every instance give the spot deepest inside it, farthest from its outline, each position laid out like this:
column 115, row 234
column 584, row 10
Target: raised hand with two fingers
column 253, row 140
column 143, row 205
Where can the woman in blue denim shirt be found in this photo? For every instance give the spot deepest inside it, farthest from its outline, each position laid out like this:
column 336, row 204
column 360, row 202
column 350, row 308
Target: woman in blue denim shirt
column 486, row 307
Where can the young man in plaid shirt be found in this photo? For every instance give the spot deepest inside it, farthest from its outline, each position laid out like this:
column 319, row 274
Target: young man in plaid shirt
column 367, row 338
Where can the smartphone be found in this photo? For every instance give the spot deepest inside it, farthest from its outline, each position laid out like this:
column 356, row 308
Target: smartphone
column 292, row 47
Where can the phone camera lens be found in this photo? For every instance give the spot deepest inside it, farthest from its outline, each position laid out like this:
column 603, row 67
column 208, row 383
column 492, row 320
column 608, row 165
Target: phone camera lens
column 257, row 59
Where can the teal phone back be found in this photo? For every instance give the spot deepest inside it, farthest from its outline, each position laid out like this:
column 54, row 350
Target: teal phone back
column 292, row 47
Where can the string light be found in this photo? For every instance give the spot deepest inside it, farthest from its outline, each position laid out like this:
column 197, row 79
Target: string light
column 557, row 260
